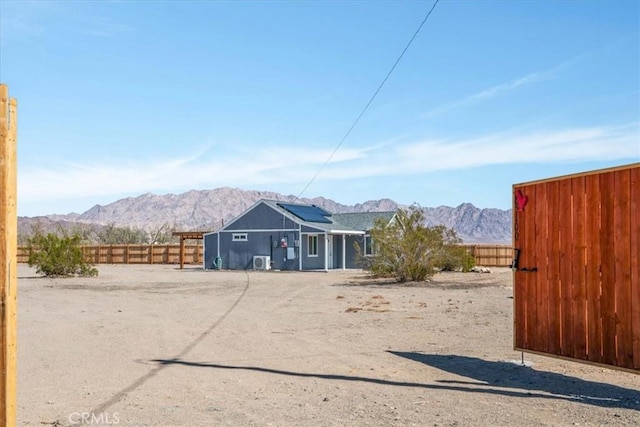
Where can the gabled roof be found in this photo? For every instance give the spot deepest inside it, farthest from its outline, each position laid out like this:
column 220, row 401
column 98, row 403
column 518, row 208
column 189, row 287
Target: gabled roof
column 311, row 216
column 322, row 220
column 309, row 213
column 364, row 221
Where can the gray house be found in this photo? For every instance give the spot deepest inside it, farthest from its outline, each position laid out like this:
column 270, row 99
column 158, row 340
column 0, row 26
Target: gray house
column 290, row 236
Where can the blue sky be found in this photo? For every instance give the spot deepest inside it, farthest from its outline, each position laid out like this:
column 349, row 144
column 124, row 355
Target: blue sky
column 120, row 98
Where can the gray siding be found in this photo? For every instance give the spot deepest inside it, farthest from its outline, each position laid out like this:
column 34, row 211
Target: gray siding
column 312, row 262
column 264, row 230
column 279, row 255
column 238, row 255
column 352, row 258
column 210, row 242
column 261, row 217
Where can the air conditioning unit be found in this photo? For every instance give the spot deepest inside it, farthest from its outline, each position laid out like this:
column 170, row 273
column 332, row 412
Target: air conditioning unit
column 261, row 262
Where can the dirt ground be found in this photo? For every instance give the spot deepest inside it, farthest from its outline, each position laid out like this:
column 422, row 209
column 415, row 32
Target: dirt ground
column 157, row 346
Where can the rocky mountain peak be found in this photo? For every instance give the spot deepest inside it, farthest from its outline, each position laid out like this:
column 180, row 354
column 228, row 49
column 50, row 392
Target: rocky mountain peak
column 208, row 209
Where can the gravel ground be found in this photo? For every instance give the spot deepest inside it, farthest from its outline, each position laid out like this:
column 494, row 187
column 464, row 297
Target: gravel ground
column 153, row 345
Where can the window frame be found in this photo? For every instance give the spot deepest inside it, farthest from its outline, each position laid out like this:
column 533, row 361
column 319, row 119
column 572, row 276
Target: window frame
column 368, row 245
column 240, row 237
column 312, row 243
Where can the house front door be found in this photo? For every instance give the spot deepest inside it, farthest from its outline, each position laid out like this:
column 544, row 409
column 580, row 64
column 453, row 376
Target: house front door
column 330, row 251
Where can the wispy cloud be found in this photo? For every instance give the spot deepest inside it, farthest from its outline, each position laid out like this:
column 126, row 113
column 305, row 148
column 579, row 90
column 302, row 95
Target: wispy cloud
column 99, row 26
column 501, row 88
column 548, row 147
column 22, row 19
column 34, row 19
column 199, row 170
column 490, row 93
column 272, row 166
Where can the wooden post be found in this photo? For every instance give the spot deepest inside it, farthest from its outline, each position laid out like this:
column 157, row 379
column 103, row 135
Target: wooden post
column 182, row 239
column 8, row 256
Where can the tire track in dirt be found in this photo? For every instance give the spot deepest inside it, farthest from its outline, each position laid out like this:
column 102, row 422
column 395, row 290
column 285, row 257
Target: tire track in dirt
column 157, row 369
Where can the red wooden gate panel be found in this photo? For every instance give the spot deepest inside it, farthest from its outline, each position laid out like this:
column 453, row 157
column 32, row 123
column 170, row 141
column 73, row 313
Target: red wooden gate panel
column 577, row 281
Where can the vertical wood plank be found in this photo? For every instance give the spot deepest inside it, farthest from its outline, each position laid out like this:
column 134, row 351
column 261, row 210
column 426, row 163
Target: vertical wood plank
column 634, row 207
column 594, row 291
column 530, row 262
column 622, row 268
column 520, row 290
column 8, row 255
column 539, row 278
column 607, row 239
column 565, row 267
column 181, row 252
column 5, row 334
column 553, row 269
column 591, row 285
column 526, row 240
column 579, row 268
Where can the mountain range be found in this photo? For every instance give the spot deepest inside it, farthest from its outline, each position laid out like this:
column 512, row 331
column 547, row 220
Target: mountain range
column 208, row 210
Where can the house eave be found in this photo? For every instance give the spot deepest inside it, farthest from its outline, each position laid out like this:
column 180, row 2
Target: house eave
column 355, row 232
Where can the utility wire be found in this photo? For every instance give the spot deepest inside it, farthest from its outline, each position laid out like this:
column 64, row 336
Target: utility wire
column 366, row 107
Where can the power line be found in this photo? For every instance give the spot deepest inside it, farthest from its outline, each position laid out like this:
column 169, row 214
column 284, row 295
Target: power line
column 366, row 107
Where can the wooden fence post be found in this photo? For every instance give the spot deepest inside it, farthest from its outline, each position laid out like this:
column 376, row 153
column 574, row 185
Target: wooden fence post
column 182, row 239
column 8, row 255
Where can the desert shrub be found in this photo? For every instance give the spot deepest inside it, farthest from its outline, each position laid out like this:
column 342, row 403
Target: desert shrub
column 113, row 235
column 407, row 249
column 54, row 255
column 456, row 258
column 451, row 255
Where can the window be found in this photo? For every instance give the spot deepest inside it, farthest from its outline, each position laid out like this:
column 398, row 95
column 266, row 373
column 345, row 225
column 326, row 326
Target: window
column 239, row 237
column 368, row 245
column 313, row 245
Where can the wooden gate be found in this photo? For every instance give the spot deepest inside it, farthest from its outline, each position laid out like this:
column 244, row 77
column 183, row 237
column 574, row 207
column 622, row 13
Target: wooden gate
column 577, row 276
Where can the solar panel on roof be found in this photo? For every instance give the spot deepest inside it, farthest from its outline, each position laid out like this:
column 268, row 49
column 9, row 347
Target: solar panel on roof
column 307, row 213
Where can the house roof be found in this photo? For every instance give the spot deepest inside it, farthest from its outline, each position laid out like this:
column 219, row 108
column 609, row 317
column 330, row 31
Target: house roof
column 361, row 220
column 322, row 220
column 311, row 216
column 309, row 213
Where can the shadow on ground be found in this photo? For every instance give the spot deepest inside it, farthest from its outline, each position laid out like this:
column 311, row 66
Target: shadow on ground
column 496, row 378
column 508, row 375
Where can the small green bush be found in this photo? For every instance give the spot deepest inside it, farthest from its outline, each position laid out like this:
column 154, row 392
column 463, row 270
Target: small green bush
column 409, row 250
column 54, row 255
column 456, row 258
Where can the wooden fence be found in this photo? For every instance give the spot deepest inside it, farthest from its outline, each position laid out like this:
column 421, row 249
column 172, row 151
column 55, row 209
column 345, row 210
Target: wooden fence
column 486, row 255
column 8, row 251
column 134, row 254
column 491, row 255
column 577, row 285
